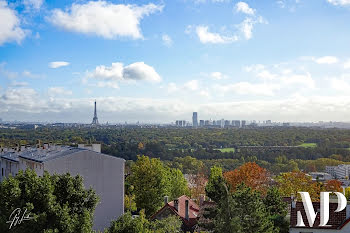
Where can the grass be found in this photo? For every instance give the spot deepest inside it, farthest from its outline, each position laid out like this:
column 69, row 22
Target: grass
column 308, row 145
column 223, row 150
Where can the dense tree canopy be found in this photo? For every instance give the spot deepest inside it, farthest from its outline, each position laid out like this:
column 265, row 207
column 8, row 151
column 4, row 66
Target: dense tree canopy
column 57, row 203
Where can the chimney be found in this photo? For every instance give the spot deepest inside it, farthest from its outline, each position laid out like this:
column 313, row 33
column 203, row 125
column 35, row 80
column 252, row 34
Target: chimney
column 166, row 200
column 187, row 210
column 201, row 199
column 176, row 204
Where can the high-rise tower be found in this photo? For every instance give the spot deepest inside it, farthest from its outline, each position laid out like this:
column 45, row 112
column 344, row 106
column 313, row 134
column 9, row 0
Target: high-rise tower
column 95, row 119
column 195, row 120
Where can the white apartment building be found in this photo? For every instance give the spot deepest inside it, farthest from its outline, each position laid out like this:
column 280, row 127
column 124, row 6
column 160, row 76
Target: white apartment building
column 339, row 172
column 104, row 173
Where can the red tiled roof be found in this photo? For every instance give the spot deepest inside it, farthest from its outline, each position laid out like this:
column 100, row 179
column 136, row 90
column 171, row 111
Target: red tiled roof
column 336, row 219
column 193, row 211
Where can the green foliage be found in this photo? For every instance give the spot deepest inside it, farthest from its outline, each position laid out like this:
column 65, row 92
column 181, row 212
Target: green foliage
column 177, row 184
column 151, row 181
column 216, row 187
column 277, row 209
column 149, row 178
column 243, row 211
column 171, row 224
column 57, row 203
column 127, row 224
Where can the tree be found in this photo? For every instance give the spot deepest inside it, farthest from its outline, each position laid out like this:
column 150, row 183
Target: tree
column 243, row 211
column 250, row 174
column 57, row 203
column 170, row 224
column 291, row 183
column 177, row 184
column 149, row 178
column 127, row 224
column 277, row 209
column 333, row 186
column 216, row 187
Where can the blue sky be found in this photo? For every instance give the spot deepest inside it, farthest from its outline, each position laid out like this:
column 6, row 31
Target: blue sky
column 158, row 61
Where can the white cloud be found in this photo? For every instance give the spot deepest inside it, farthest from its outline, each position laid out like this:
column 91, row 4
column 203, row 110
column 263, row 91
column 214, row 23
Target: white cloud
column 217, row 76
column 10, row 29
column 339, row 2
column 244, row 8
column 33, row 4
column 326, row 60
column 18, row 84
column 340, row 84
column 192, row 85
column 53, row 91
column 246, row 88
column 104, row 19
column 167, row 41
column 172, row 87
column 117, row 72
column 247, row 26
column 58, row 64
column 141, row 71
column 214, row 38
column 347, row 64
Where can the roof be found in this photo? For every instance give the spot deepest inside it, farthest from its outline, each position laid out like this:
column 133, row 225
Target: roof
column 336, row 219
column 193, row 211
column 42, row 155
column 13, row 156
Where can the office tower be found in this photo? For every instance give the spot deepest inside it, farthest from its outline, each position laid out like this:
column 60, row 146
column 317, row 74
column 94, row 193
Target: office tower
column 222, row 123
column 201, row 123
column 195, row 120
column 244, row 123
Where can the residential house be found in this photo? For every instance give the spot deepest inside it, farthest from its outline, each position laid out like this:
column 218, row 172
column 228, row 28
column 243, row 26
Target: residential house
column 183, row 207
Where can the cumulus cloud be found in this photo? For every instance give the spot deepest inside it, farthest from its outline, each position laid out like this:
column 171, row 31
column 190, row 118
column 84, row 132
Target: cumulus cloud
column 217, row 75
column 110, row 76
column 207, row 37
column 10, row 29
column 244, row 8
column 347, row 64
column 167, row 41
column 192, row 85
column 33, row 4
column 326, row 60
column 104, row 19
column 53, row 91
column 339, row 2
column 58, row 64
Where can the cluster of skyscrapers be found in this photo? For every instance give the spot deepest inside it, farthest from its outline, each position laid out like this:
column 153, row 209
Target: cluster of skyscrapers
column 210, row 123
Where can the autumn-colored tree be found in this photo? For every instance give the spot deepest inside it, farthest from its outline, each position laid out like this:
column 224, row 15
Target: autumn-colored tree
column 197, row 185
column 291, row 183
column 333, row 186
column 140, row 146
column 251, row 174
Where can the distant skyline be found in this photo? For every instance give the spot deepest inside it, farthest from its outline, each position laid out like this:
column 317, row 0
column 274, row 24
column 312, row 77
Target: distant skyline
column 161, row 60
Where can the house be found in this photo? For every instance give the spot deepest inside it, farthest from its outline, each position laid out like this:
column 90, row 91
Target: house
column 338, row 221
column 183, row 207
column 104, row 173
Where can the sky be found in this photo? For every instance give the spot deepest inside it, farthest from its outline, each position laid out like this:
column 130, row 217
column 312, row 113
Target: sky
column 157, row 61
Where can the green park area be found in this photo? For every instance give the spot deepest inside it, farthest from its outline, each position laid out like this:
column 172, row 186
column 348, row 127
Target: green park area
column 308, row 145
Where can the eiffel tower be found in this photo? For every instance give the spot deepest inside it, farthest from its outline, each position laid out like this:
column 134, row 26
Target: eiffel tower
column 95, row 119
